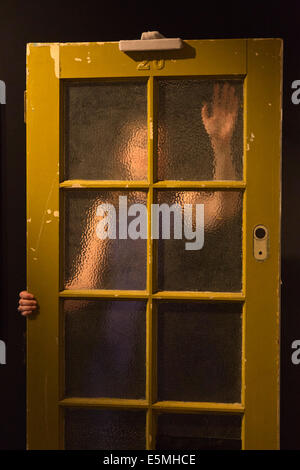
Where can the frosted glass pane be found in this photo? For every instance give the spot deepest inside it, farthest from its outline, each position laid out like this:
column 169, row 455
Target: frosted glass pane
column 105, row 350
column 94, row 263
column 200, row 129
column 217, row 266
column 202, row 432
column 106, row 131
column 199, row 352
column 104, row 429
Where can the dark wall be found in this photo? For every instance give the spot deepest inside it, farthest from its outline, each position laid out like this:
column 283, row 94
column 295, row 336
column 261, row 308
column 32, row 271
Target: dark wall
column 61, row 21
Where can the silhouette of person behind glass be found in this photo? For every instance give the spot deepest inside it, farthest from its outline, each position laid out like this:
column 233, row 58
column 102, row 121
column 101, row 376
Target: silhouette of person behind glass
column 96, row 256
column 101, row 264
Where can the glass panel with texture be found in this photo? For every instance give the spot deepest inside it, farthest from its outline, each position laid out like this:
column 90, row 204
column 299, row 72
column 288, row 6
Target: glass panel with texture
column 105, row 350
column 91, row 262
column 217, row 266
column 200, row 129
column 201, row 431
column 104, row 429
column 199, row 352
column 106, row 131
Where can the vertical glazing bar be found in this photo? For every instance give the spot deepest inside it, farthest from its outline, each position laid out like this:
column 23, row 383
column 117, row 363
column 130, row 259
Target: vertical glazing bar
column 149, row 244
column 149, row 266
column 149, row 385
column 151, row 370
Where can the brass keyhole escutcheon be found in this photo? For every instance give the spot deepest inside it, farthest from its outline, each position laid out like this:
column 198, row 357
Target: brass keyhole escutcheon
column 261, row 242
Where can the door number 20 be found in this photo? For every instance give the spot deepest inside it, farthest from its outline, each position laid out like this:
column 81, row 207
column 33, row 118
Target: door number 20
column 147, row 64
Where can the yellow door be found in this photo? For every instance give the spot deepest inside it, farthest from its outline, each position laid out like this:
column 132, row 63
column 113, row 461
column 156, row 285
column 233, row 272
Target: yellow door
column 166, row 341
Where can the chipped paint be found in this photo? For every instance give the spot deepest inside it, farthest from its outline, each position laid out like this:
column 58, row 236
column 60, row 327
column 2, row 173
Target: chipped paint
column 78, row 59
column 48, row 221
column 151, row 129
column 49, row 211
column 29, row 220
column 35, row 259
column 44, row 214
column 76, row 44
column 54, row 52
column 33, row 249
column 28, row 49
column 76, row 185
column 56, row 213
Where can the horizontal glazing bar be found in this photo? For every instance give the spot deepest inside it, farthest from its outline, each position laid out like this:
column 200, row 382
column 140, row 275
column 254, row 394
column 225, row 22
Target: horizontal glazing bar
column 98, row 293
column 73, row 184
column 198, row 407
column 176, row 406
column 162, row 295
column 103, row 403
column 200, row 184
column 222, row 296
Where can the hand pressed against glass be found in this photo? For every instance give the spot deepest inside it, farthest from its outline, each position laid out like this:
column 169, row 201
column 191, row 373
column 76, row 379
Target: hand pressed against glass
column 220, row 122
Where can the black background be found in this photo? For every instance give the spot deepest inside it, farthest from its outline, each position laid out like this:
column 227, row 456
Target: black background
column 71, row 21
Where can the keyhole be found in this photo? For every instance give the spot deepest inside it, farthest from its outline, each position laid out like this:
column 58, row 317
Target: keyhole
column 260, row 233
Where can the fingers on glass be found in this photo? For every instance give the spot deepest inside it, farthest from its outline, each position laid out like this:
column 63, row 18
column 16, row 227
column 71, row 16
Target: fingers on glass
column 204, row 112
